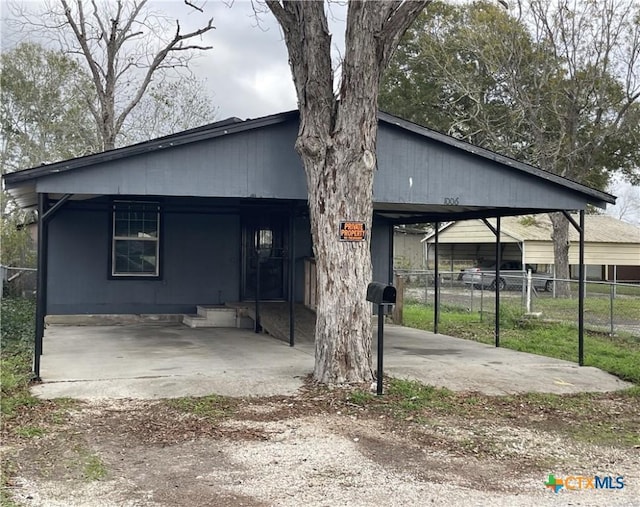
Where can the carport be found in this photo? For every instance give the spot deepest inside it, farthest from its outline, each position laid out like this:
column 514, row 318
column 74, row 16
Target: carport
column 113, row 225
column 165, row 360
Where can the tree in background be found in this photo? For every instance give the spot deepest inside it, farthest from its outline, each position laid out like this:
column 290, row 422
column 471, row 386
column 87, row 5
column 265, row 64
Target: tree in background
column 169, row 106
column 43, row 118
column 43, row 108
column 627, row 207
column 557, row 86
column 337, row 144
column 16, row 245
column 123, row 45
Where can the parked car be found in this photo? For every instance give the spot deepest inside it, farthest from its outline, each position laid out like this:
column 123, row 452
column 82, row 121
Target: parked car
column 483, row 276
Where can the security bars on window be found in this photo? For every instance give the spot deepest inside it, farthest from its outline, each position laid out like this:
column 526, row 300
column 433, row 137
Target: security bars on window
column 135, row 239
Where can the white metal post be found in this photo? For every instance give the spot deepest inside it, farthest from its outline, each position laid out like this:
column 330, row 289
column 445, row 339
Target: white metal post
column 529, row 282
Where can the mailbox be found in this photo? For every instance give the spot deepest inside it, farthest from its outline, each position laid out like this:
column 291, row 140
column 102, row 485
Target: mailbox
column 381, row 294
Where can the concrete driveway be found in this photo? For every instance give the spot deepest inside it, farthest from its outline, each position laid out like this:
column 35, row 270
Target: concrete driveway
column 169, row 360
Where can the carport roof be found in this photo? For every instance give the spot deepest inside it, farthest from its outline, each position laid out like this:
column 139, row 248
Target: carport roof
column 406, row 153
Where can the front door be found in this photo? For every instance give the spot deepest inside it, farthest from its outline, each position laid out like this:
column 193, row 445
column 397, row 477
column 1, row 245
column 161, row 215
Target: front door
column 264, row 251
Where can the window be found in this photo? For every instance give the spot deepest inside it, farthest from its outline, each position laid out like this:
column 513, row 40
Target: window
column 135, row 245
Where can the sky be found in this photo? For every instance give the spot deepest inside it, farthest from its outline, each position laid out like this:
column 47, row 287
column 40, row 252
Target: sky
column 247, row 72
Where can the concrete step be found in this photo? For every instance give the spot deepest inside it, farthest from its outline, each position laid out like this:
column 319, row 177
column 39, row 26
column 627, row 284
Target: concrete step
column 217, row 316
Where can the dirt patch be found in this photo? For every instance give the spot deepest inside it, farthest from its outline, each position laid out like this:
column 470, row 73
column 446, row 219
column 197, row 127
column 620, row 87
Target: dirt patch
column 317, row 448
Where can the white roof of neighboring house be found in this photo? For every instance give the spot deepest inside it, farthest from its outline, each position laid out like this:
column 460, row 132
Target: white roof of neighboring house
column 598, row 229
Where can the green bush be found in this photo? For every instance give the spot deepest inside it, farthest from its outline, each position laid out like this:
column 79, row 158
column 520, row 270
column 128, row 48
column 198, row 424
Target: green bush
column 16, row 345
column 17, row 326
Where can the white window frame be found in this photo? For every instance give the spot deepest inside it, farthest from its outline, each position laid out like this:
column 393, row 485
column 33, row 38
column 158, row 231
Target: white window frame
column 146, row 207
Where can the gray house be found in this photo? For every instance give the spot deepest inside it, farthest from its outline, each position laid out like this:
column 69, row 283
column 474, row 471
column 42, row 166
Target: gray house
column 168, row 224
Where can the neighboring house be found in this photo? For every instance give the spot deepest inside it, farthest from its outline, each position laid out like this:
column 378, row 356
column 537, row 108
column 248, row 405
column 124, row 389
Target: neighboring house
column 612, row 247
column 408, row 250
column 165, row 225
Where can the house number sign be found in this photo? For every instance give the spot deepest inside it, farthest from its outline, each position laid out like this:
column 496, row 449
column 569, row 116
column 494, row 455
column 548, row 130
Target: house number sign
column 353, row 231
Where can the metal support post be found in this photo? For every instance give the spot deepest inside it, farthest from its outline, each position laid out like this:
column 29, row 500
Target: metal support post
column 292, row 274
column 498, row 262
column 41, row 294
column 581, row 292
column 380, row 349
column 257, row 327
column 436, row 285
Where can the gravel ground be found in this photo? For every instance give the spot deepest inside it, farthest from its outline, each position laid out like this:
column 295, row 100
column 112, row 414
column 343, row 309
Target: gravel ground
column 305, row 451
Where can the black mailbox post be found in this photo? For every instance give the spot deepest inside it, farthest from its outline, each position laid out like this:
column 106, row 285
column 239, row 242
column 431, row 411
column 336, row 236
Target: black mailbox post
column 380, row 294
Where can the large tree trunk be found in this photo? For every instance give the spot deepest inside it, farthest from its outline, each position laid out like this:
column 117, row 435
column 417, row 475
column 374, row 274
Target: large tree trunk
column 340, row 188
column 560, row 237
column 337, row 144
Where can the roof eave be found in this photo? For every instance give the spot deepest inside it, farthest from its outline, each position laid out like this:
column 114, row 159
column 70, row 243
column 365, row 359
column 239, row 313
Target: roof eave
column 198, row 134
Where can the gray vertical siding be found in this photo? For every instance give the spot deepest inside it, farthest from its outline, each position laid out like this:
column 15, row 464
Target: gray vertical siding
column 263, row 163
column 257, row 164
column 200, row 256
column 303, row 250
column 380, row 252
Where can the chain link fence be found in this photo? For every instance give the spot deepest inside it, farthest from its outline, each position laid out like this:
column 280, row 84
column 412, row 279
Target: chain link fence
column 611, row 308
column 18, row 282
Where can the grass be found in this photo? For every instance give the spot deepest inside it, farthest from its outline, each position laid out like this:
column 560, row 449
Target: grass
column 30, row 431
column 604, row 288
column 412, row 396
column 596, row 418
column 93, row 469
column 360, row 398
column 210, row 407
column 596, row 308
column 619, row 355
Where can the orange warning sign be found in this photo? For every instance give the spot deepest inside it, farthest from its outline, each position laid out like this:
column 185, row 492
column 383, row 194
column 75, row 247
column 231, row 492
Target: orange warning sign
column 353, row 231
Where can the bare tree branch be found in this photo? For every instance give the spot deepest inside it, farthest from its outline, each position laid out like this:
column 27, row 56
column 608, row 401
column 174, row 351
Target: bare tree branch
column 115, row 49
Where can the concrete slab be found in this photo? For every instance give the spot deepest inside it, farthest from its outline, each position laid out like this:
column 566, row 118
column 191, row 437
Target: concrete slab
column 464, row 365
column 151, row 361
column 163, row 360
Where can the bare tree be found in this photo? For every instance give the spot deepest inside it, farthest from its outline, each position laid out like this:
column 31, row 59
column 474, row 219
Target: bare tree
column 337, row 144
column 627, row 207
column 125, row 46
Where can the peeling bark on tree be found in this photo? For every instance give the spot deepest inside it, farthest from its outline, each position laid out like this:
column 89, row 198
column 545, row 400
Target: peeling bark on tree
column 337, row 144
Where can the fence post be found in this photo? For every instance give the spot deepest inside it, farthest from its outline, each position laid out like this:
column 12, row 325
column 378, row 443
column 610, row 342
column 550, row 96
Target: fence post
column 471, row 305
column 399, row 306
column 481, row 296
column 529, row 291
column 426, row 287
column 612, row 295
